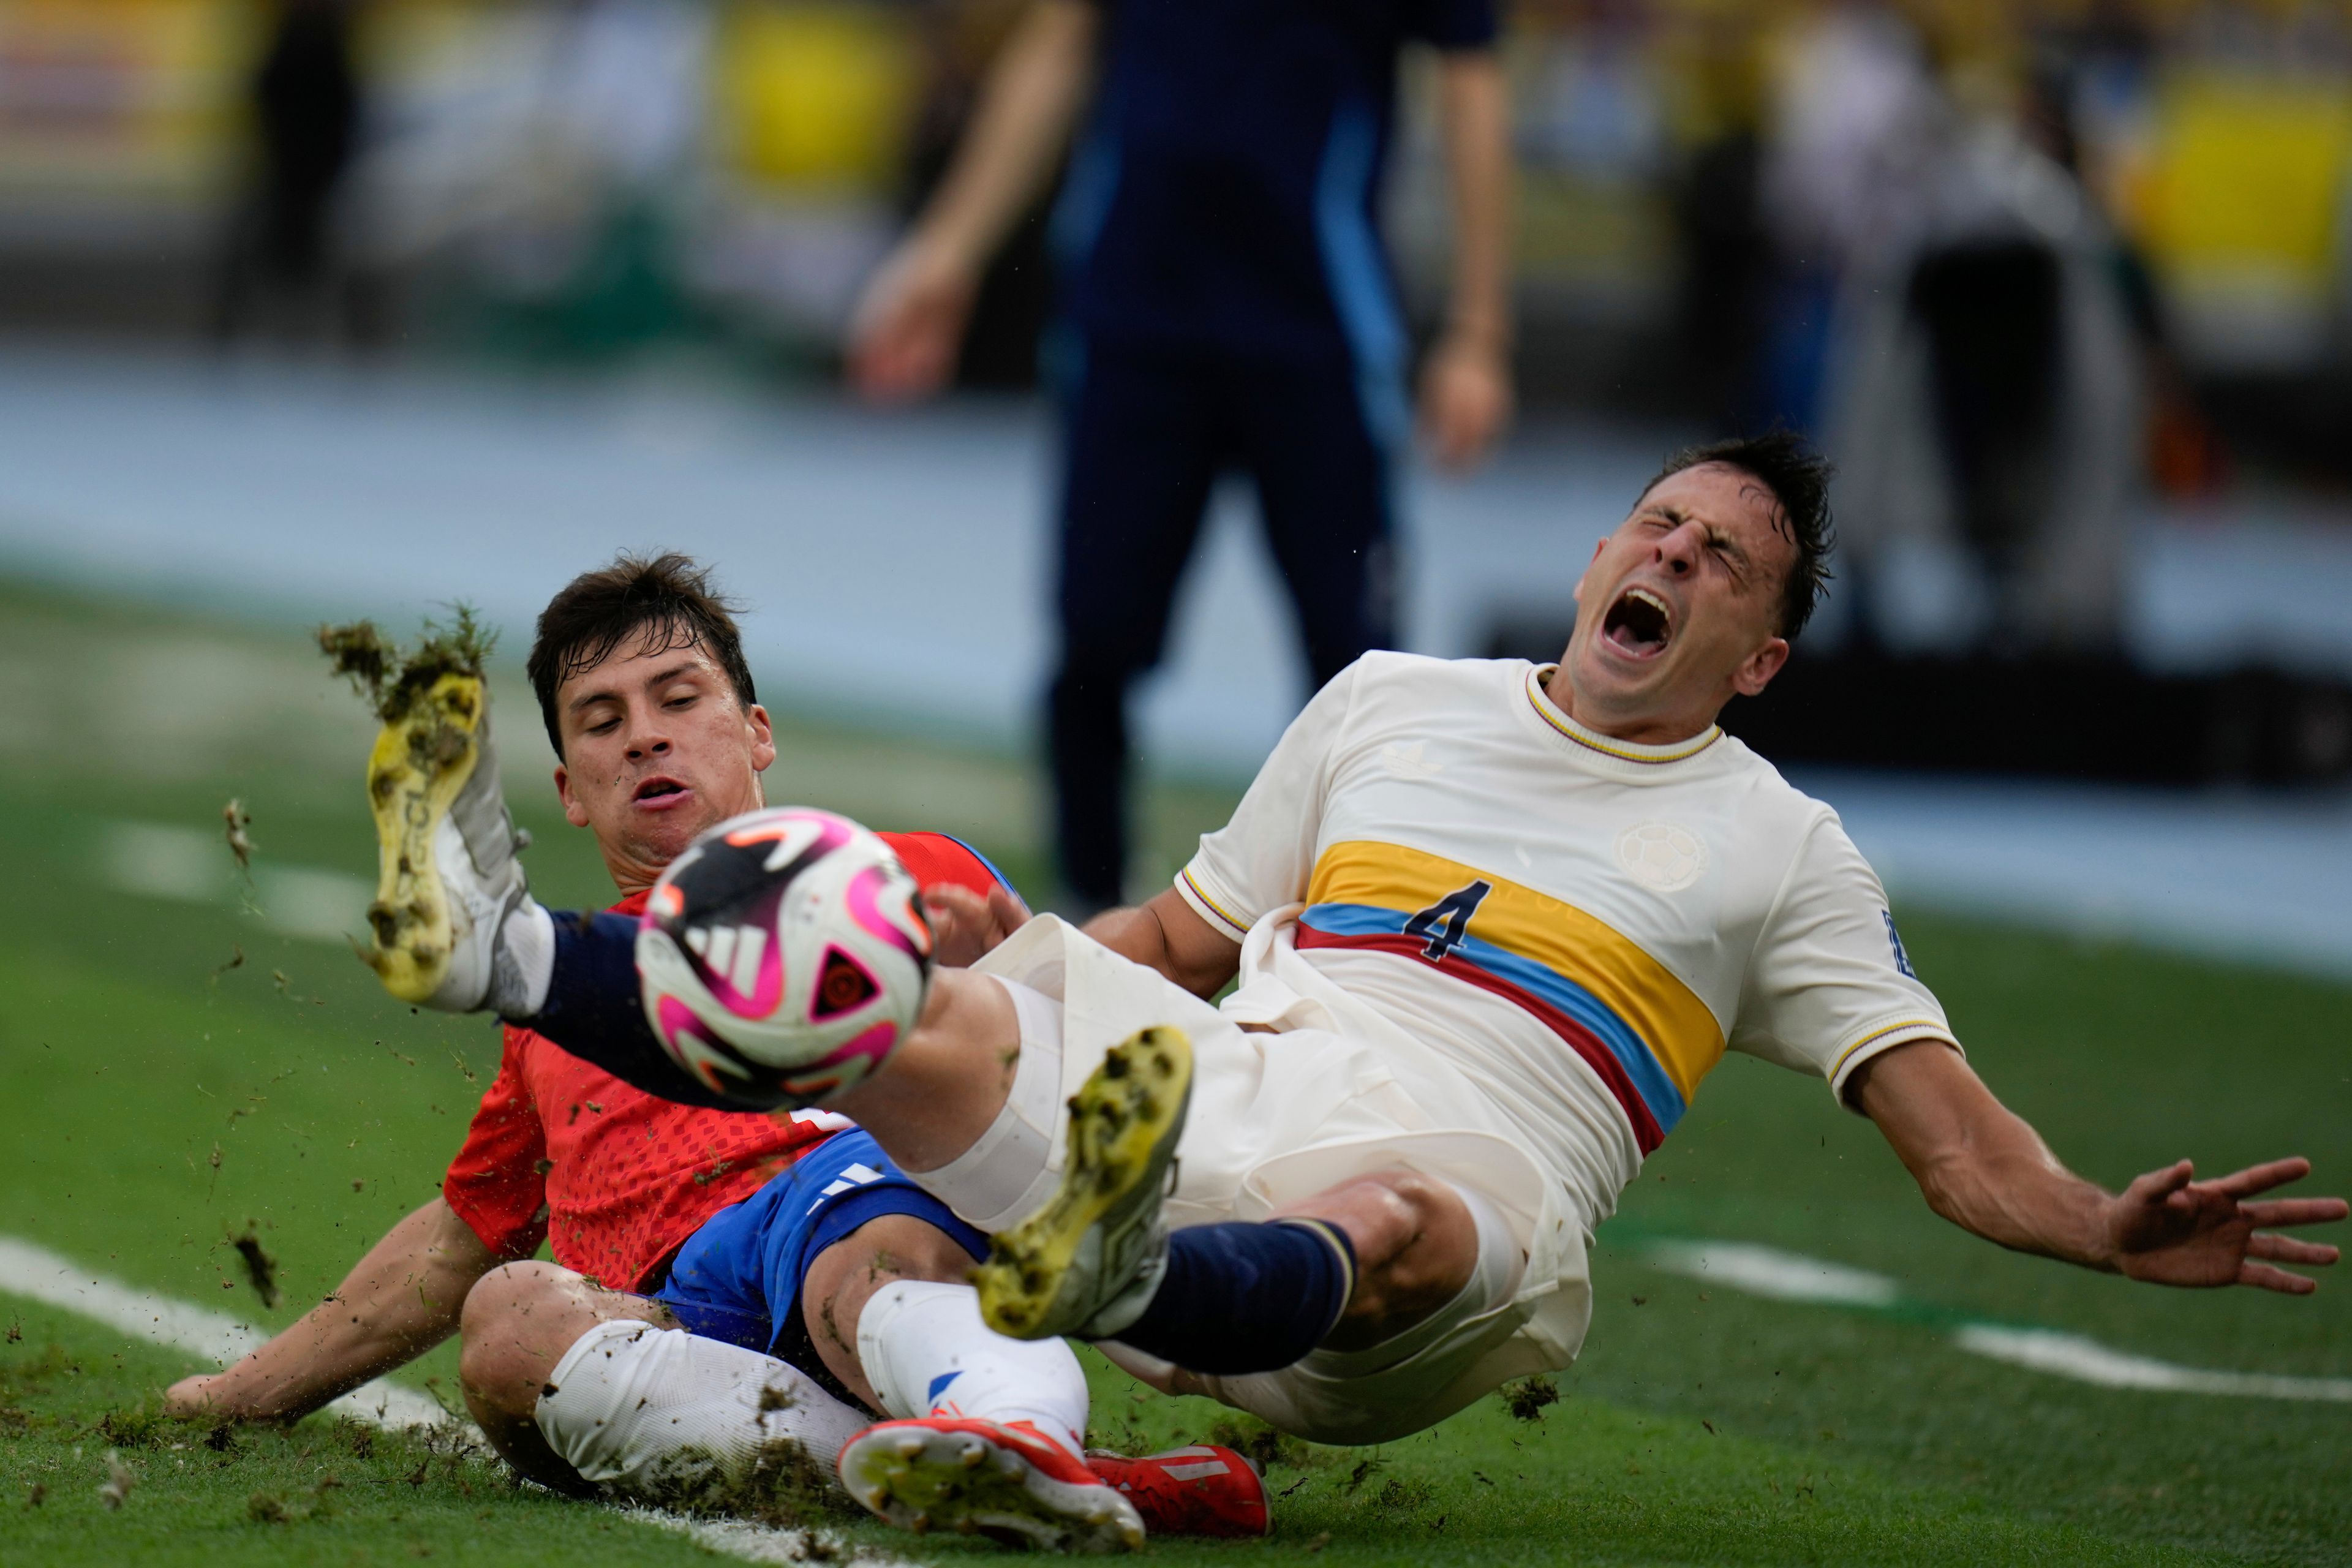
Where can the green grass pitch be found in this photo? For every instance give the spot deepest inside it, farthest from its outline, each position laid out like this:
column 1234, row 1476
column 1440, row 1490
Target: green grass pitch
column 1702, row 1425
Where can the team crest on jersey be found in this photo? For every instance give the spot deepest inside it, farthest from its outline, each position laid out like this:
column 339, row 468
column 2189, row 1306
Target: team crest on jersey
column 1662, row 857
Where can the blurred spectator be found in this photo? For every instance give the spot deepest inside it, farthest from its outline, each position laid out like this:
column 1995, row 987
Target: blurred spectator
column 306, row 104
column 1727, row 273
column 1230, row 304
column 1981, row 373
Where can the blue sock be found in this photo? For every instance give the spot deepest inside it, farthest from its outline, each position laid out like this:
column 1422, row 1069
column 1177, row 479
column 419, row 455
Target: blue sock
column 1246, row 1297
column 594, row 1011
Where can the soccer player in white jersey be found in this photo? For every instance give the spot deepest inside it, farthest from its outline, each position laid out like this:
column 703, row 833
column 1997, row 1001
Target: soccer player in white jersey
column 1493, row 924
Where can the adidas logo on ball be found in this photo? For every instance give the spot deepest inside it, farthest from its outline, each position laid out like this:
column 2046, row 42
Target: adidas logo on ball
column 783, row 956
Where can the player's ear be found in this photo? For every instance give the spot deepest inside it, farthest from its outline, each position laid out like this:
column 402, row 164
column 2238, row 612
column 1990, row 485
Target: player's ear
column 764, row 737
column 573, row 812
column 1757, row 670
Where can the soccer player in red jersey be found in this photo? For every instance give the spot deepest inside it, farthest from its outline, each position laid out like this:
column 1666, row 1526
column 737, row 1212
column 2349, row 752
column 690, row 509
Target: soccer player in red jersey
column 723, row 1279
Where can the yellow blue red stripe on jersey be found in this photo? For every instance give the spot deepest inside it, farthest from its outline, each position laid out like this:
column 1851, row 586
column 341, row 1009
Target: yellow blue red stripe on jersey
column 1647, row 1036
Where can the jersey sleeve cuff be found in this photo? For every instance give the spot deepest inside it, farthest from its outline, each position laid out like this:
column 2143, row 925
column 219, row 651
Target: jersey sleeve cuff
column 1210, row 902
column 1878, row 1040
column 498, row 1233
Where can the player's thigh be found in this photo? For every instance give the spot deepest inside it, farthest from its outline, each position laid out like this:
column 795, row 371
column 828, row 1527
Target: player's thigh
column 1142, row 445
column 1325, row 473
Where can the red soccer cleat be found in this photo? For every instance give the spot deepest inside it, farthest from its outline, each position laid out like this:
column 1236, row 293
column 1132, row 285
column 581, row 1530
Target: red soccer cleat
column 1005, row 1480
column 1202, row 1491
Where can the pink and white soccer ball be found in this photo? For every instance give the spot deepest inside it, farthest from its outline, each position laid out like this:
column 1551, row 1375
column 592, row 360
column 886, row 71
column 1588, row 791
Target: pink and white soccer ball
column 783, row 956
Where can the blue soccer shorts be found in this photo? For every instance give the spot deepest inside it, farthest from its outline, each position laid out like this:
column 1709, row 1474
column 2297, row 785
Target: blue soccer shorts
column 739, row 1277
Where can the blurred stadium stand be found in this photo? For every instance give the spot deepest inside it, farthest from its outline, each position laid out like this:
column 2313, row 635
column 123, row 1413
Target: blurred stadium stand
column 2062, row 284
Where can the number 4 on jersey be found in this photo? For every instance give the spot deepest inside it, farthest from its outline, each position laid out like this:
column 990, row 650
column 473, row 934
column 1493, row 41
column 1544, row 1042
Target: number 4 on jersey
column 1446, row 922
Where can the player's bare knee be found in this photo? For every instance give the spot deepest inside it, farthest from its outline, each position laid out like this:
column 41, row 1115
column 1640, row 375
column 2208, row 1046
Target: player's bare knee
column 491, row 1359
column 1416, row 1242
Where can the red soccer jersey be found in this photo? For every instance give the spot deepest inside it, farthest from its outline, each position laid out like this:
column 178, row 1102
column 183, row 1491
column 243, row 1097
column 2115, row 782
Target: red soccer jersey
column 612, row 1178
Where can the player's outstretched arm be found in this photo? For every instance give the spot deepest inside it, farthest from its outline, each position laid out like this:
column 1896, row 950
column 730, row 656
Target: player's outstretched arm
column 399, row 1301
column 1980, row 1166
column 1165, row 934
column 906, row 329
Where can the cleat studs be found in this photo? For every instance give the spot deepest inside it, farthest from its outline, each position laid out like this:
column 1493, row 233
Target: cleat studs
column 909, row 1445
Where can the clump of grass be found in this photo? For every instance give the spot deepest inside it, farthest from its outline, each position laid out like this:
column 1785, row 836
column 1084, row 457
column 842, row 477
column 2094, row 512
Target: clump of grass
column 1525, row 1399
column 138, row 1427
column 33, row 1373
column 356, row 1436
column 1260, row 1443
column 389, row 681
column 1402, row 1495
column 260, row 1267
column 781, row 1488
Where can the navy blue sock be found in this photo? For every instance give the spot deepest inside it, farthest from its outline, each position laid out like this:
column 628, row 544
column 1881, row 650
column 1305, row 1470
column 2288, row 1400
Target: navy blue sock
column 593, row 1010
column 1246, row 1297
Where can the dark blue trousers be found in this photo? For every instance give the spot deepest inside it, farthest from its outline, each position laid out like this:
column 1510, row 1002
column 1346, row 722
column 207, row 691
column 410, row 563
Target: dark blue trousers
column 1146, row 435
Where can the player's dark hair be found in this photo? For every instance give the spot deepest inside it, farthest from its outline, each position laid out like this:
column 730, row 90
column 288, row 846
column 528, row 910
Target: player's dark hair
column 666, row 601
column 1799, row 479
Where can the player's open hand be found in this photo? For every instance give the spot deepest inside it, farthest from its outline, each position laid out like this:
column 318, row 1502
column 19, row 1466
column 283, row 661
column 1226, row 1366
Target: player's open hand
column 965, row 926
column 2172, row 1229
column 192, row 1398
column 1465, row 400
column 908, row 327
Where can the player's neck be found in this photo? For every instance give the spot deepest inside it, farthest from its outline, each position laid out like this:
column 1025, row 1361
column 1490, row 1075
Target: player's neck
column 1637, row 727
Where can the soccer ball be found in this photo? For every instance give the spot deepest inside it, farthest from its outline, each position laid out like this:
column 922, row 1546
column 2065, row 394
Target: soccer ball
column 783, row 956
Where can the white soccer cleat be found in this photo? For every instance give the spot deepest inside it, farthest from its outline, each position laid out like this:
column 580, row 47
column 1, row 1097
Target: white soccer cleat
column 1004, row 1480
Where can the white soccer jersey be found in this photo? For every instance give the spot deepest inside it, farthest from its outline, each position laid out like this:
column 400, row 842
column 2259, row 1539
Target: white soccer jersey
column 1581, row 925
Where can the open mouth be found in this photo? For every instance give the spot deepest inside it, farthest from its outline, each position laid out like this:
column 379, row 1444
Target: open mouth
column 657, row 789
column 1639, row 625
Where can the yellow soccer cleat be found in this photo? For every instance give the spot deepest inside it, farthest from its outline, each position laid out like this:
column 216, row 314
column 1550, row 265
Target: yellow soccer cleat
column 422, row 762
column 447, row 878
column 1087, row 1263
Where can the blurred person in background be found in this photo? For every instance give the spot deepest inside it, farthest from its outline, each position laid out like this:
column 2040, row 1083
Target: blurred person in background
column 307, row 104
column 1226, row 302
column 1979, row 367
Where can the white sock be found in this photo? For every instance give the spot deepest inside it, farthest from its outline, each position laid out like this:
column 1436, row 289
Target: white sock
column 522, row 963
column 1007, row 1175
column 632, row 1407
column 929, row 1354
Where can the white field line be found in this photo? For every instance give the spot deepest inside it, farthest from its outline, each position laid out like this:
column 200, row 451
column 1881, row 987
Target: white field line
column 2071, row 1355
column 1793, row 1277
column 184, row 865
column 40, row 1275
column 1782, row 1276
column 759, row 1542
column 37, row 1274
